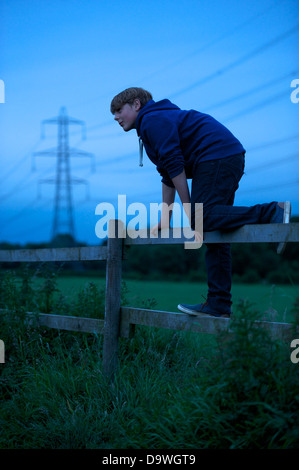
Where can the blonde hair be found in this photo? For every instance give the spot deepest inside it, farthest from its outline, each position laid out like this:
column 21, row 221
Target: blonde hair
column 129, row 95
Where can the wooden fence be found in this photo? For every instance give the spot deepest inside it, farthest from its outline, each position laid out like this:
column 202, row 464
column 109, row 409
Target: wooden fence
column 120, row 321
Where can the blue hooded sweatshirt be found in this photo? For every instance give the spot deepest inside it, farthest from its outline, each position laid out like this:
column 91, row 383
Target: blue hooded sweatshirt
column 175, row 139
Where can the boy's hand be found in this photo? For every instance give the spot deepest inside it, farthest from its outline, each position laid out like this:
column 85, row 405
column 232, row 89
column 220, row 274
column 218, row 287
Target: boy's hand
column 198, row 237
column 197, row 243
column 154, row 230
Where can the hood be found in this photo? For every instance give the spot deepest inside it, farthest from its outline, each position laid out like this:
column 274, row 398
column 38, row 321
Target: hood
column 151, row 106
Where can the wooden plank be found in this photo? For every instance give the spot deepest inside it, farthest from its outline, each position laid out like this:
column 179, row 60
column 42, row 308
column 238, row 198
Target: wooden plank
column 66, row 322
column 131, row 316
column 261, row 233
column 112, row 298
column 182, row 321
column 255, row 233
column 90, row 253
column 61, row 322
column 170, row 321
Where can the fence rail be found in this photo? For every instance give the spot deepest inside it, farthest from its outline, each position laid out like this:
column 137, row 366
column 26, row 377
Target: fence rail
column 120, row 321
column 131, row 316
column 263, row 233
column 90, row 253
column 255, row 233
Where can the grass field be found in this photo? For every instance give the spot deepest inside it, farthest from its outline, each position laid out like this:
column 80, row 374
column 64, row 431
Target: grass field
column 173, row 389
column 278, row 300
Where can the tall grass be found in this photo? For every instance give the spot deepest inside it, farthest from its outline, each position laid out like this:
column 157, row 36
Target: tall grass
column 173, row 390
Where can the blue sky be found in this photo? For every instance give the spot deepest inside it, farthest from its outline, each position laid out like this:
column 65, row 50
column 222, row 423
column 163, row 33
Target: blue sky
column 233, row 60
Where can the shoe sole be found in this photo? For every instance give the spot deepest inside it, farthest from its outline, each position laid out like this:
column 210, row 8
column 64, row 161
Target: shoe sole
column 190, row 312
column 286, row 220
column 193, row 313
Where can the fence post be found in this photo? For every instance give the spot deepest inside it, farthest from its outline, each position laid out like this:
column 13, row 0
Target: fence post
column 112, row 297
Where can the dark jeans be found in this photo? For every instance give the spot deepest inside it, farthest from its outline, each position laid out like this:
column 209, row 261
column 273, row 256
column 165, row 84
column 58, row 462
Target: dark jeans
column 214, row 183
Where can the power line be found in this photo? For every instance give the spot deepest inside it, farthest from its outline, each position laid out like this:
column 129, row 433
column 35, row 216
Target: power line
column 216, row 105
column 237, row 62
column 273, row 142
column 21, row 213
column 31, row 230
column 96, row 126
column 247, row 93
column 221, row 71
column 251, row 149
column 272, row 163
column 119, row 159
column 112, row 135
column 233, row 30
column 270, row 186
column 21, row 161
column 259, row 105
column 17, row 187
column 24, row 182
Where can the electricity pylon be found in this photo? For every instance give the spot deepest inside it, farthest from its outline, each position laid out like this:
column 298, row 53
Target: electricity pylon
column 63, row 220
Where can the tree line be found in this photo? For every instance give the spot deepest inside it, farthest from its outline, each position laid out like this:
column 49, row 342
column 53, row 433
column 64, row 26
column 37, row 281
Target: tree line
column 251, row 263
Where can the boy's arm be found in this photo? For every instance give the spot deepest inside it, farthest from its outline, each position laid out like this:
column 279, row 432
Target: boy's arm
column 181, row 185
column 168, row 196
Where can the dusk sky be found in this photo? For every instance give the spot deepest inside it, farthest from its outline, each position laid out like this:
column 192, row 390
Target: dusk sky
column 235, row 60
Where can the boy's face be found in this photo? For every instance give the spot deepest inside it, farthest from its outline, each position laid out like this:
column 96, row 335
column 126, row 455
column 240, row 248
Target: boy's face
column 127, row 114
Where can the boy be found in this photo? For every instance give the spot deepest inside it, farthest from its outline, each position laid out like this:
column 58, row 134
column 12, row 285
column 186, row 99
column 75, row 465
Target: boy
column 189, row 144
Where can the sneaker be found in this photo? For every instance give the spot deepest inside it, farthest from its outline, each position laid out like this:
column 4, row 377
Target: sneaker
column 281, row 215
column 202, row 310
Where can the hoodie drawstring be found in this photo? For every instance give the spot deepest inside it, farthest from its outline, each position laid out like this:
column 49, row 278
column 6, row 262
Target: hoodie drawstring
column 140, row 152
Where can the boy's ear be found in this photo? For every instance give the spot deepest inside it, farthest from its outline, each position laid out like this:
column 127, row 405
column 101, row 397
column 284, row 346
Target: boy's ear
column 137, row 104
